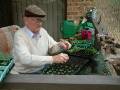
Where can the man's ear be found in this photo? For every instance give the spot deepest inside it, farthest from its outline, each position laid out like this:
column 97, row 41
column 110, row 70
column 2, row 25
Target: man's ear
column 40, row 23
column 25, row 19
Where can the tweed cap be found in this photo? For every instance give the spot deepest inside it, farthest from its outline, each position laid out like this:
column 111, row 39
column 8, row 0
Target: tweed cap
column 34, row 11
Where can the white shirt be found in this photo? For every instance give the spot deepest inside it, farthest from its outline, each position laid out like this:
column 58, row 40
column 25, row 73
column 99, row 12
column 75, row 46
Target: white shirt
column 30, row 56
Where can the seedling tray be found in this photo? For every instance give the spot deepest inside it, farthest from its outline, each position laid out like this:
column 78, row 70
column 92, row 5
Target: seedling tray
column 5, row 67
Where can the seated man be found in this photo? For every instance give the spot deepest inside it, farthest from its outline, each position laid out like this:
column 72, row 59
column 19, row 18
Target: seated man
column 32, row 43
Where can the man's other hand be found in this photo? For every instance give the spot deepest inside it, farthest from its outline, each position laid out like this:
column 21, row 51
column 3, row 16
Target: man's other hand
column 60, row 58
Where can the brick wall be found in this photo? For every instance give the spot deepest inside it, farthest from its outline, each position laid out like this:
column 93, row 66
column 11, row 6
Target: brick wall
column 77, row 8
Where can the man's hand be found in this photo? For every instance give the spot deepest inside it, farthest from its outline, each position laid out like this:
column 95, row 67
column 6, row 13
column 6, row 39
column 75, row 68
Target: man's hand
column 65, row 44
column 60, row 58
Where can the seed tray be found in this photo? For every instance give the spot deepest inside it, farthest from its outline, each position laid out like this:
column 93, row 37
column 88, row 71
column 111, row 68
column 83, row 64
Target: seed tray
column 5, row 68
column 72, row 67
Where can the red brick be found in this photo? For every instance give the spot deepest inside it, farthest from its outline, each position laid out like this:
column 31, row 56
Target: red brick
column 78, row 8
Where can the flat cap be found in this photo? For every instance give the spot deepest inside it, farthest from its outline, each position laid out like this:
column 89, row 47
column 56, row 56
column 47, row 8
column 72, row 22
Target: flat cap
column 34, row 11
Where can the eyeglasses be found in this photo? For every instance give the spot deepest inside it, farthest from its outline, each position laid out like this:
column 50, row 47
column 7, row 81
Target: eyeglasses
column 36, row 19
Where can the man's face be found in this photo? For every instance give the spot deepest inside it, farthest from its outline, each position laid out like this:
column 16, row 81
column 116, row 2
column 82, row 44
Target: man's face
column 34, row 23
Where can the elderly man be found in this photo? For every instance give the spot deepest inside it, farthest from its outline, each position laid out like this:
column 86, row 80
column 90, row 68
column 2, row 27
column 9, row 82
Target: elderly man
column 32, row 43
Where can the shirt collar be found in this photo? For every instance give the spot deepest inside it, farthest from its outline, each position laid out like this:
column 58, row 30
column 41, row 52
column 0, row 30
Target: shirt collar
column 30, row 34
